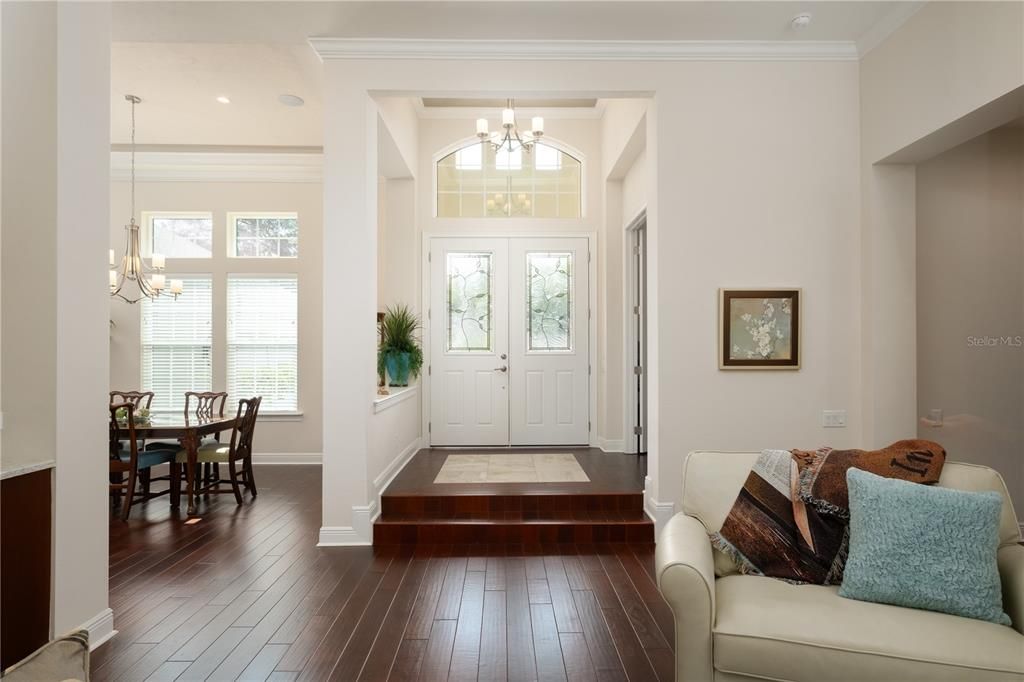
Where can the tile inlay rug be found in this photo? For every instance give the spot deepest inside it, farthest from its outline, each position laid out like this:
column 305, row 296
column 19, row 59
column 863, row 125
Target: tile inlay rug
column 539, row 467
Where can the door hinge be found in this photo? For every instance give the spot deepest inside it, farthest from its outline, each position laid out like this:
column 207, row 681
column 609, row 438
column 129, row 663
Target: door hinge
column 638, row 370
column 588, row 256
column 429, row 426
column 636, row 310
column 428, row 313
column 589, row 370
column 428, row 370
column 588, row 313
column 588, row 426
column 428, row 256
column 638, row 430
column 636, row 249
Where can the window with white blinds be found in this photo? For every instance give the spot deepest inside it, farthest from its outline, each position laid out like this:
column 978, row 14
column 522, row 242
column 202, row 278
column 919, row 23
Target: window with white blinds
column 177, row 336
column 263, row 340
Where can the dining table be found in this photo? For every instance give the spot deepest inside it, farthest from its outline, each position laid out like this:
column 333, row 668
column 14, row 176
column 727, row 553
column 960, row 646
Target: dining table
column 189, row 431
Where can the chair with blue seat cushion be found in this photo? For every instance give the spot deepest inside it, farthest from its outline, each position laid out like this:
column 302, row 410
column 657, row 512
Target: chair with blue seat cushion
column 140, row 400
column 237, row 454
column 127, row 461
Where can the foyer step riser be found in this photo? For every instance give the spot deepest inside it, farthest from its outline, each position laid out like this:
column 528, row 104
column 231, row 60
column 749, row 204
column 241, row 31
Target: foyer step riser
column 511, row 534
column 512, row 507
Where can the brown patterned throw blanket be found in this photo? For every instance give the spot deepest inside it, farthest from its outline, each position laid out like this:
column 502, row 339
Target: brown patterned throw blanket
column 790, row 519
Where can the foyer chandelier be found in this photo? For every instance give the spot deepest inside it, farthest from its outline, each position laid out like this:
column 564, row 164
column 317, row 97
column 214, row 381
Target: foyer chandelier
column 509, row 137
column 145, row 282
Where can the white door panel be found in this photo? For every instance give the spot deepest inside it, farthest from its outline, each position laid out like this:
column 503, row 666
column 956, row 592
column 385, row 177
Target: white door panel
column 549, row 349
column 468, row 336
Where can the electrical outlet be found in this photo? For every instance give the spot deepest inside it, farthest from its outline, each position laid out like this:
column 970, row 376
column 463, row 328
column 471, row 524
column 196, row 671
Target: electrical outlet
column 833, row 419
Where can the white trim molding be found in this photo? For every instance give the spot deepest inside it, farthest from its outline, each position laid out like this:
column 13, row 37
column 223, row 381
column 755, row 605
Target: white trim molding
column 218, row 167
column 608, row 445
column 659, row 512
column 339, row 536
column 585, row 50
column 397, row 464
column 397, row 395
column 100, row 628
column 314, row 458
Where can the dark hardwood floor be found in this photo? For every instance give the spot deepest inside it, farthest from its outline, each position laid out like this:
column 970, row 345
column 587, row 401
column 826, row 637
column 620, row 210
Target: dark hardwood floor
column 244, row 593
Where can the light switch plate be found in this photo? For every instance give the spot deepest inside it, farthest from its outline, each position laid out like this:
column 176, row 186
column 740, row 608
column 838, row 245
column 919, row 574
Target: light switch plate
column 833, row 419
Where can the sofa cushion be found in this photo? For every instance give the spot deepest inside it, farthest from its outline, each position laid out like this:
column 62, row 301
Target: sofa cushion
column 925, row 547
column 771, row 629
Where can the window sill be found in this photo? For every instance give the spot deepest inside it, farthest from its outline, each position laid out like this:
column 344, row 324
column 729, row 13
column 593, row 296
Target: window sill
column 397, row 395
column 284, row 416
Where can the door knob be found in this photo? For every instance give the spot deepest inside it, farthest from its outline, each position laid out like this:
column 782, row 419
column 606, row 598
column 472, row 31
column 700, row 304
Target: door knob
column 503, row 368
column 503, row 356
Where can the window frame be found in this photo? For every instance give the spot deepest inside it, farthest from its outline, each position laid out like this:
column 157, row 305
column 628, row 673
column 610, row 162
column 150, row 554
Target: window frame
column 232, row 217
column 147, row 239
column 549, row 141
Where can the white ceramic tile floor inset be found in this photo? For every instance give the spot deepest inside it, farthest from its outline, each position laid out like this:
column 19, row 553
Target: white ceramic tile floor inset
column 540, row 467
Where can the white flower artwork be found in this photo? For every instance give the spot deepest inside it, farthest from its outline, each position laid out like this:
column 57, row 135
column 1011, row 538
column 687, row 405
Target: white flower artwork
column 760, row 329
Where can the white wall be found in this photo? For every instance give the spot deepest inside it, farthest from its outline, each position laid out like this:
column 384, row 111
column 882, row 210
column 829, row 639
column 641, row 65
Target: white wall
column 945, row 62
column 634, row 189
column 970, row 285
column 56, row 123
column 288, row 436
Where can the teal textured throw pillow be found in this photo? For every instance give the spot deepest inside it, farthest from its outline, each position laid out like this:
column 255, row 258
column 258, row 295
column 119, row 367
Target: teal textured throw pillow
column 924, row 547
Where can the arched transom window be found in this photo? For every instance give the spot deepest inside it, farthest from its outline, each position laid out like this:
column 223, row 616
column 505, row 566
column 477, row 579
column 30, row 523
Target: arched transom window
column 478, row 182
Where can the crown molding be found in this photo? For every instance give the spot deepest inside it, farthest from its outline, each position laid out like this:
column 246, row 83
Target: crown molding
column 584, row 50
column 217, row 167
column 887, row 25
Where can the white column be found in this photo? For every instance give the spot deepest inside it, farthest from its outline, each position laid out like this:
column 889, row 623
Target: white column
column 350, row 303
column 83, row 310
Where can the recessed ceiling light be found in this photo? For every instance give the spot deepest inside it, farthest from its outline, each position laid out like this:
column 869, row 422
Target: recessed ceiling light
column 223, row 100
column 291, row 100
column 802, row 20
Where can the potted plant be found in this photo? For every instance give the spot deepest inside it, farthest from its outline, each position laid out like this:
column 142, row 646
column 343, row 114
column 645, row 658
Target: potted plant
column 399, row 354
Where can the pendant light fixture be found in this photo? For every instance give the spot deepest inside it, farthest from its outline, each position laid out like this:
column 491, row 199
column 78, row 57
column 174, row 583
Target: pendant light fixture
column 133, row 280
column 509, row 137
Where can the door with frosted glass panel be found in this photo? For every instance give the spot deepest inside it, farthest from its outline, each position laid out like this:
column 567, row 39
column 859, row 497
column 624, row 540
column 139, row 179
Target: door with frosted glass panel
column 469, row 342
column 549, row 343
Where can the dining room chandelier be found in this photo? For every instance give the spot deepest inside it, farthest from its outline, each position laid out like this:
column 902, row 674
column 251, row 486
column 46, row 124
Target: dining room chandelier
column 133, row 280
column 509, row 137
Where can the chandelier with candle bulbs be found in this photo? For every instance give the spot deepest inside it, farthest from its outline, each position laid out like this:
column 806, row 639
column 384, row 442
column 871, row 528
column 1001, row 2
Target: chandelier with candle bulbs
column 509, row 137
column 133, row 280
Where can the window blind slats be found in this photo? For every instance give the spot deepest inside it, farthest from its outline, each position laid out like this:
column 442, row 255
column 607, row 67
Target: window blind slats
column 262, row 338
column 176, row 344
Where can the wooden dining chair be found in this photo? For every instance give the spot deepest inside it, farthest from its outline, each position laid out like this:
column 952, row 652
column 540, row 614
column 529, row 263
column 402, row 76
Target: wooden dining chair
column 140, row 400
column 206, row 405
column 128, row 461
column 237, row 455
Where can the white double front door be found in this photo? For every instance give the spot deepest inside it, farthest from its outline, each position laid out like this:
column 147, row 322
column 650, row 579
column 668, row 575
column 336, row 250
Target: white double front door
column 509, row 341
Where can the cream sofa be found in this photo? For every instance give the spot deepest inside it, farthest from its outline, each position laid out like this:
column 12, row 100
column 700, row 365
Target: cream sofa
column 734, row 627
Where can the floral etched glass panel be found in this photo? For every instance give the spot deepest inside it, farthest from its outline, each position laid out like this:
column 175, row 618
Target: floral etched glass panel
column 549, row 279
column 469, row 302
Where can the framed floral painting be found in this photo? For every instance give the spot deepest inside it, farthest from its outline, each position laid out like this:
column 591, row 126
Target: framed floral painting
column 759, row 328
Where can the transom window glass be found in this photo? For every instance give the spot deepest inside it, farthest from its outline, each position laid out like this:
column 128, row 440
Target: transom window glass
column 469, row 302
column 253, row 235
column 177, row 337
column 477, row 182
column 549, row 301
column 179, row 235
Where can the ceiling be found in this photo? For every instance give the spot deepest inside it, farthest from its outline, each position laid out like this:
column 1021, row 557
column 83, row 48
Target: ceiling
column 180, row 56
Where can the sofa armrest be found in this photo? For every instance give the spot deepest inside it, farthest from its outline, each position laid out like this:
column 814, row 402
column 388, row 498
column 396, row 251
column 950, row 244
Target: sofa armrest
column 686, row 577
column 1011, row 572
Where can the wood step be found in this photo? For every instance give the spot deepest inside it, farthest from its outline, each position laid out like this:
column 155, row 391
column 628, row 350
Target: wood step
column 510, row 507
column 503, row 532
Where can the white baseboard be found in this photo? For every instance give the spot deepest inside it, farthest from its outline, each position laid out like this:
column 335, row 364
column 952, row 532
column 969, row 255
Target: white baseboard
column 100, row 627
column 391, row 470
column 611, row 445
column 339, row 536
column 659, row 512
column 287, row 458
column 362, row 521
